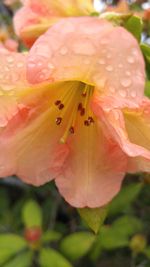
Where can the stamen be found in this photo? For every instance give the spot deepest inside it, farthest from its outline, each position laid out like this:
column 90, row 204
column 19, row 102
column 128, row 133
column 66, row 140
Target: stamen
column 85, row 90
column 90, row 120
column 80, row 106
column 57, row 102
column 86, row 123
column 71, row 130
column 61, row 106
column 58, row 120
column 82, row 113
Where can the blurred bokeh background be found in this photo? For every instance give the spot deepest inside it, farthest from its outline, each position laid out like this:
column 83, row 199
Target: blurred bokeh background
column 38, row 229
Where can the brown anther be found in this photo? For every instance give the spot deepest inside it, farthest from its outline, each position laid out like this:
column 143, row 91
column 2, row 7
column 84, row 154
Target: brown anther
column 61, row 106
column 80, row 106
column 90, row 120
column 58, row 120
column 84, row 94
column 71, row 130
column 82, row 113
column 57, row 102
column 86, row 123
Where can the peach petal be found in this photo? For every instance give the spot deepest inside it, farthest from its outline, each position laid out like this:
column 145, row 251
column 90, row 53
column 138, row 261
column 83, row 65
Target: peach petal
column 92, row 174
column 35, row 17
column 79, row 49
column 129, row 128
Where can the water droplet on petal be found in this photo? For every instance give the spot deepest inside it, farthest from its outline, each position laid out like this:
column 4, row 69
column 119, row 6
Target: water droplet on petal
column 20, row 65
column 108, row 56
column 51, row 66
column 128, row 73
column 31, row 65
column 10, row 59
column 123, row 93
column 63, row 51
column 109, row 68
column 125, row 82
column 120, row 65
column 130, row 60
column 101, row 62
column 134, row 51
column 133, row 94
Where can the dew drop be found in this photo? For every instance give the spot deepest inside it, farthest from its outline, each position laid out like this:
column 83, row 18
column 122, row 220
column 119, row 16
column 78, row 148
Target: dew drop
column 101, row 62
column 31, row 65
column 50, row 66
column 125, row 82
column 133, row 94
column 123, row 93
column 128, row 73
column 120, row 65
column 109, row 68
column 109, row 56
column 130, row 60
column 20, row 65
column 10, row 59
column 63, row 51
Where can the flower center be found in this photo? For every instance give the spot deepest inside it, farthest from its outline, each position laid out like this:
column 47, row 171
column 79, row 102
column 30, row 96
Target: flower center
column 75, row 101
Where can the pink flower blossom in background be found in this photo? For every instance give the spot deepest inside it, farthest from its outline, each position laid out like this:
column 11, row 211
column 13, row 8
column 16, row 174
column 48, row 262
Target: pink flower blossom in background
column 11, row 45
column 82, row 117
column 35, row 17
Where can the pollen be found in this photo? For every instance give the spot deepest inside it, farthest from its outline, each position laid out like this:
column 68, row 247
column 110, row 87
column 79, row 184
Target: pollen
column 76, row 102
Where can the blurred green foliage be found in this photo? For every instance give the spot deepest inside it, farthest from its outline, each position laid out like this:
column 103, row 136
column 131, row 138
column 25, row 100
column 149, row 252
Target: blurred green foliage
column 37, row 229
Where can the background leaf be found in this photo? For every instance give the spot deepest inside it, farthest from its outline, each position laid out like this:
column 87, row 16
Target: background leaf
column 77, row 245
column 51, row 258
column 125, row 198
column 10, row 244
column 94, row 217
column 22, row 260
column 32, row 214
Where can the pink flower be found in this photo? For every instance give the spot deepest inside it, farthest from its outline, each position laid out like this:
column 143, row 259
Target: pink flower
column 11, row 45
column 35, row 17
column 85, row 120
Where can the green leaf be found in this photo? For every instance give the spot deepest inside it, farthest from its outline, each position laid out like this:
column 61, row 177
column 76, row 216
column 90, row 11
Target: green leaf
column 115, row 18
column 147, row 252
column 147, row 88
column 22, row 260
column 134, row 25
column 146, row 53
column 51, row 258
column 125, row 198
column 77, row 245
column 50, row 236
column 32, row 214
column 110, row 239
column 146, row 50
column 94, row 217
column 118, row 234
column 128, row 225
column 10, row 244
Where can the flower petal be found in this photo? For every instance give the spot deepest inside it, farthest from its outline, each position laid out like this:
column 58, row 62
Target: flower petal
column 93, row 172
column 138, row 128
column 79, row 49
column 35, row 17
column 128, row 127
column 30, row 137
